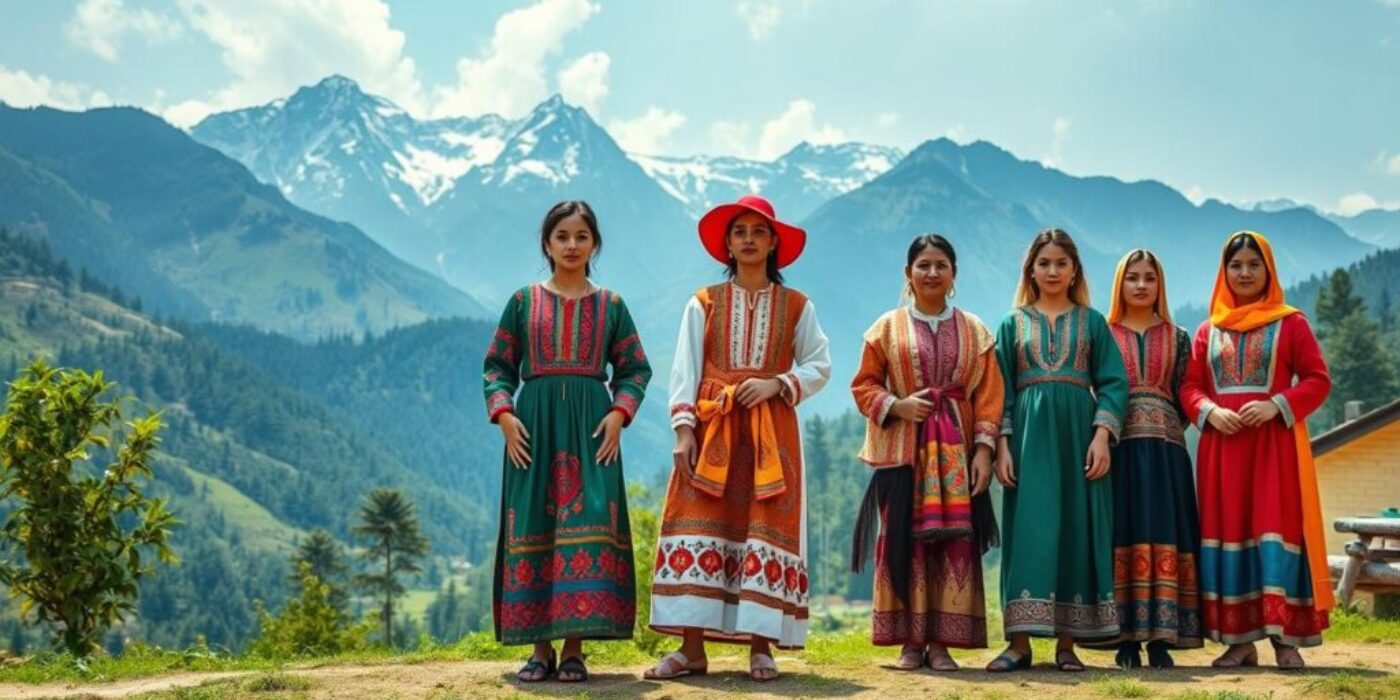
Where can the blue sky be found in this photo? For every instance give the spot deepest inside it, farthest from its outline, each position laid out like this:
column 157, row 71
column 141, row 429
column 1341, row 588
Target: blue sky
column 1235, row 100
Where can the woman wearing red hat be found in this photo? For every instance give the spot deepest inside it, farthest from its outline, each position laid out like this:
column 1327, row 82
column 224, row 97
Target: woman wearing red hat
column 1256, row 373
column 731, row 562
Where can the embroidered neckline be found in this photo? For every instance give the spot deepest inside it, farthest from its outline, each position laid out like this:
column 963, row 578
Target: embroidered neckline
column 596, row 290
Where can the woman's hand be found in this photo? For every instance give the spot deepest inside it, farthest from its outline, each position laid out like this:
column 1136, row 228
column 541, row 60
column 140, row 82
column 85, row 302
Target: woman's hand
column 1225, row 420
column 685, row 452
column 754, row 391
column 517, row 440
column 1006, row 471
column 611, row 430
column 1096, row 462
column 981, row 468
column 1257, row 413
column 913, row 408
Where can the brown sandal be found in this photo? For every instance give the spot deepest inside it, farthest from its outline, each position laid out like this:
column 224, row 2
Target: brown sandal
column 1234, row 659
column 1068, row 662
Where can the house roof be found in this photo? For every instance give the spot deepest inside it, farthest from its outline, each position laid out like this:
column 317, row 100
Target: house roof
column 1347, row 432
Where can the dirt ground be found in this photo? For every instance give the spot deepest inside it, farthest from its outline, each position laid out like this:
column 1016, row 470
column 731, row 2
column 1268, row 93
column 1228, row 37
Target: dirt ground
column 1361, row 663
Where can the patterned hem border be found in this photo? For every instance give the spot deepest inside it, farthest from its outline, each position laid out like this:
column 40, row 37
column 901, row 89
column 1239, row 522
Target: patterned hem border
column 1271, row 632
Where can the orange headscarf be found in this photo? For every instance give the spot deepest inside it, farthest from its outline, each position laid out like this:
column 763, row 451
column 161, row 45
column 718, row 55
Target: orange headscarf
column 1227, row 313
column 1116, row 304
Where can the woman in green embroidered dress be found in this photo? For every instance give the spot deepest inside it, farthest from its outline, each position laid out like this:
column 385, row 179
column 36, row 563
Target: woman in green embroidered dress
column 1066, row 392
column 564, row 552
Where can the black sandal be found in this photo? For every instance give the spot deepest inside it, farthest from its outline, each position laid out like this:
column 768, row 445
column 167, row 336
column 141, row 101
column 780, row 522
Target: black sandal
column 1071, row 664
column 1129, row 655
column 1159, row 655
column 531, row 666
column 1005, row 663
column 573, row 665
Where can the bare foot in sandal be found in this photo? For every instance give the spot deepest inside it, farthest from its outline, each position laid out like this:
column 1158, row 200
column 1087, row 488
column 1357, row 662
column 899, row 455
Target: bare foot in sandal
column 911, row 658
column 762, row 668
column 677, row 665
column 939, row 659
column 539, row 666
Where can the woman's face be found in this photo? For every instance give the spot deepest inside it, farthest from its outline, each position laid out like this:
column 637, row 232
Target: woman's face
column 751, row 239
column 571, row 244
column 1140, row 286
column 1053, row 270
column 1246, row 275
column 931, row 276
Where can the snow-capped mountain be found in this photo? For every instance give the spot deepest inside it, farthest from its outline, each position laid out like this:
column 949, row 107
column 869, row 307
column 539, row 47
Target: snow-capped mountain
column 798, row 182
column 348, row 155
column 338, row 151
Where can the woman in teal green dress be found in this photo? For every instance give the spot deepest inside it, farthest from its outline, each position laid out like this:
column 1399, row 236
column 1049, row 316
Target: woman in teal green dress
column 564, row 552
column 1066, row 392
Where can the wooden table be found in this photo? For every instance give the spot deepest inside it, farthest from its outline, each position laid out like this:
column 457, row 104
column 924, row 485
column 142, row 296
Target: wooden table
column 1367, row 564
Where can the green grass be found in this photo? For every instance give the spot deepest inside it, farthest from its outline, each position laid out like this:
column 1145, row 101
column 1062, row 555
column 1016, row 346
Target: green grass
column 1355, row 627
column 1120, row 687
column 137, row 662
column 1352, row 686
column 1218, row 695
column 257, row 526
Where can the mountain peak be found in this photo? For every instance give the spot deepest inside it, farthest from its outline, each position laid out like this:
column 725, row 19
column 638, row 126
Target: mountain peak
column 336, row 82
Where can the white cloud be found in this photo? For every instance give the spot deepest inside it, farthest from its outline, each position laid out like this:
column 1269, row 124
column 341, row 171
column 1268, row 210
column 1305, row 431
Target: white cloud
column 760, row 16
column 648, row 134
column 1386, row 162
column 21, row 89
column 1196, row 194
column 585, row 81
column 793, row 126
column 1355, row 203
column 101, row 25
column 887, row 120
column 272, row 47
column 732, row 138
column 958, row 134
column 508, row 78
column 1057, row 143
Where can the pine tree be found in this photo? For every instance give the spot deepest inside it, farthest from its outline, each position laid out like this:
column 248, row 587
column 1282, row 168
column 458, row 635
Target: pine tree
column 387, row 520
column 323, row 554
column 1361, row 368
column 1336, row 301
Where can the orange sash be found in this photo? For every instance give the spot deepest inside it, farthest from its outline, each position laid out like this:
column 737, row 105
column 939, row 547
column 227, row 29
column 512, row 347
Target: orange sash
column 716, row 448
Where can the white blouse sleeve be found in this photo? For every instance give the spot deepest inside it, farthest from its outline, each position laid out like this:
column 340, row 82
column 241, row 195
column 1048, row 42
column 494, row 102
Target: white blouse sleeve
column 688, row 365
column 812, row 367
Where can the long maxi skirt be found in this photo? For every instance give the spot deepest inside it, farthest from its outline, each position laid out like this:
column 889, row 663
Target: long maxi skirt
column 564, row 552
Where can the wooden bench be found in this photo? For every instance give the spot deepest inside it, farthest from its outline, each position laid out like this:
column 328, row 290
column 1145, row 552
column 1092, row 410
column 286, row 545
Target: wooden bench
column 1364, row 566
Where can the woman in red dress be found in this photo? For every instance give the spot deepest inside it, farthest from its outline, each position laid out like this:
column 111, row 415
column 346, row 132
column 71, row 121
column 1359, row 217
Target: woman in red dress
column 1256, row 374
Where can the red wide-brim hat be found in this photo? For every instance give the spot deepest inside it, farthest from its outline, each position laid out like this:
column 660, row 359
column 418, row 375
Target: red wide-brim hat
column 714, row 229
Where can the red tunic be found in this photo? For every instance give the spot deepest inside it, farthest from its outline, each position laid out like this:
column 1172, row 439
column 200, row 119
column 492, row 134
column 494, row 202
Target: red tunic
column 1254, row 573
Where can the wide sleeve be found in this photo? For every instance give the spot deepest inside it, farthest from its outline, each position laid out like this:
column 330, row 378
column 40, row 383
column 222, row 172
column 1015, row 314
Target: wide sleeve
column 1196, row 385
column 988, row 401
column 812, row 359
column 1305, row 360
column 1006, row 361
column 870, row 387
column 1109, row 376
column 688, row 364
column 500, row 371
column 630, row 370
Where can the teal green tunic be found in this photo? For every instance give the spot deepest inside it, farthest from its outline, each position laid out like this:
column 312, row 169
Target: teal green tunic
column 564, row 552
column 1063, row 380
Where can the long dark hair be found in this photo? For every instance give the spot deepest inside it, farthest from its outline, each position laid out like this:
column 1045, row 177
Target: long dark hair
column 564, row 210
column 1027, row 292
column 732, row 267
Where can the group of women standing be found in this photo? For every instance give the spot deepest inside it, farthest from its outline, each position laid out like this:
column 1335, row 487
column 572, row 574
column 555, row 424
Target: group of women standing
column 1107, row 540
